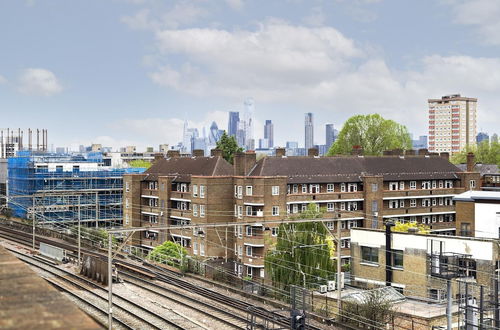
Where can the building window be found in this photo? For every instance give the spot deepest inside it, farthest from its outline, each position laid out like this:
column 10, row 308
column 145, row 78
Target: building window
column 295, row 189
column 262, row 272
column 295, row 208
column 126, row 203
column 342, row 206
column 240, row 250
column 434, row 185
column 465, row 229
column 202, row 191
column 249, row 190
column 276, row 210
column 202, row 211
column 249, row 210
column 249, row 271
column 426, row 185
column 249, row 251
column 240, row 192
column 413, row 202
column 330, row 207
column 240, row 211
column 274, row 231
column 448, row 184
column 413, row 185
column 397, row 258
column 304, row 189
column 195, row 248
column 472, row 184
column 401, row 185
column 195, row 210
column 235, row 191
column 127, row 219
column 249, row 230
column 393, row 204
column 402, row 203
column 352, row 187
column 127, row 186
column 202, row 249
column 275, row 190
column 426, row 202
column 330, row 187
column 440, row 184
column 369, row 254
column 342, row 187
column 374, row 187
column 195, row 190
column 393, row 186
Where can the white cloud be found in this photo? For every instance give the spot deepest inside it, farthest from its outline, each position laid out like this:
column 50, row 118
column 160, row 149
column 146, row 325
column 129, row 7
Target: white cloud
column 179, row 14
column 3, row 80
column 37, row 81
column 481, row 14
column 236, row 4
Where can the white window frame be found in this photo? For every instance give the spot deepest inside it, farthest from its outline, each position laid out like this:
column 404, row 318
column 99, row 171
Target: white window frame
column 127, row 186
column 275, row 190
column 393, row 186
column 195, row 190
column 342, row 187
column 330, row 187
column 202, row 191
column 202, row 210
column 275, row 211
column 413, row 202
column 240, row 192
column 249, row 190
column 195, row 247
column 413, row 185
column 249, row 251
column 202, row 249
column 330, row 207
column 304, row 189
column 195, row 210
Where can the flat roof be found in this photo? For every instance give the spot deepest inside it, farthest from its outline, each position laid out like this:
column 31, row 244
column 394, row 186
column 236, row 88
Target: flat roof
column 477, row 195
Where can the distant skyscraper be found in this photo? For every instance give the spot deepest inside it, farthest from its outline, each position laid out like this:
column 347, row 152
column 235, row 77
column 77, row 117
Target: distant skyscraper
column 421, row 143
column 481, row 136
column 248, row 123
column 452, row 123
column 330, row 135
column 308, row 131
column 214, row 136
column 269, row 133
column 234, row 120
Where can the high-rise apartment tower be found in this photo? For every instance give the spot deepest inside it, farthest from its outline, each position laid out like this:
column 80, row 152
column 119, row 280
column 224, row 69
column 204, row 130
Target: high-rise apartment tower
column 308, row 131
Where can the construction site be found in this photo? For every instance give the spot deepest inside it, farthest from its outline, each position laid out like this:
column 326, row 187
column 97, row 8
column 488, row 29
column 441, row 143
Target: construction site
column 51, row 188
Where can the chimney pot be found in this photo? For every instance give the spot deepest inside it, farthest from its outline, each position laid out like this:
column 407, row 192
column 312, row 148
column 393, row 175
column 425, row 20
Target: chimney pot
column 423, row 152
column 198, row 153
column 280, row 152
column 216, row 152
column 173, row 154
column 311, row 152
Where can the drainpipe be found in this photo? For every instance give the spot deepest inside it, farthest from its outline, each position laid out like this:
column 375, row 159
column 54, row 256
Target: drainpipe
column 388, row 252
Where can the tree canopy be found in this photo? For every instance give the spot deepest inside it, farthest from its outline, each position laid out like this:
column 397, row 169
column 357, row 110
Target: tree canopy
column 373, row 133
column 140, row 163
column 229, row 147
column 485, row 152
column 302, row 253
column 405, row 226
column 169, row 252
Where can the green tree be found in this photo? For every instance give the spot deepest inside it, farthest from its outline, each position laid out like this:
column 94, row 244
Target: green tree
column 140, row 163
column 373, row 133
column 372, row 310
column 171, row 253
column 405, row 226
column 229, row 147
column 302, row 253
column 485, row 152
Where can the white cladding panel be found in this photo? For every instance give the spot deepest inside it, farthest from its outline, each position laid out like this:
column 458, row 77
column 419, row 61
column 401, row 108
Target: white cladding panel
column 487, row 218
column 476, row 248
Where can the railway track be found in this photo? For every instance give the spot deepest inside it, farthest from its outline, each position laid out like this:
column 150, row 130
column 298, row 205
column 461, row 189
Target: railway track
column 278, row 319
column 127, row 313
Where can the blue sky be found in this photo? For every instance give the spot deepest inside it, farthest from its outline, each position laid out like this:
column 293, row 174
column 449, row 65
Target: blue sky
column 121, row 72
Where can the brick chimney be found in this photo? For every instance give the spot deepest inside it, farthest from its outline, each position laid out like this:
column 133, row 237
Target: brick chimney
column 387, row 153
column 173, row 154
column 243, row 162
column 198, row 152
column 216, row 152
column 445, row 155
column 357, row 151
column 410, row 152
column 471, row 162
column 311, row 152
column 158, row 156
column 423, row 152
column 434, row 154
column 397, row 152
column 280, row 152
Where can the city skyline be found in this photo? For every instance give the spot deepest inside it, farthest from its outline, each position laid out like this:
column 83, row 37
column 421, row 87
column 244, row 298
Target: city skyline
column 157, row 72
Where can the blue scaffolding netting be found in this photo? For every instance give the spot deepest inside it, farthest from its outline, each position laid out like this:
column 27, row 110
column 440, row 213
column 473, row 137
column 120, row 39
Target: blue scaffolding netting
column 59, row 187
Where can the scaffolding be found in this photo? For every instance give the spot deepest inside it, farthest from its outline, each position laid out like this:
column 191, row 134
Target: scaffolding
column 57, row 188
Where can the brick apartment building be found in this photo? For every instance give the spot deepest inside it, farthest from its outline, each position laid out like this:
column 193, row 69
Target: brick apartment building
column 364, row 190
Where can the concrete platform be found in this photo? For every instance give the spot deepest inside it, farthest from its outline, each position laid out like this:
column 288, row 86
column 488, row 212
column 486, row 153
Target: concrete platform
column 27, row 301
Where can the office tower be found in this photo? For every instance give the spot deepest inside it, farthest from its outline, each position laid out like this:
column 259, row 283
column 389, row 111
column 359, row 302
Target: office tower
column 481, row 136
column 269, row 133
column 214, row 136
column 234, row 120
column 248, row 123
column 421, row 143
column 452, row 123
column 308, row 131
column 330, row 135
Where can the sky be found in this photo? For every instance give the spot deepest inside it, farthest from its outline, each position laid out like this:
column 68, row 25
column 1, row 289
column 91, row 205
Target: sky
column 130, row 72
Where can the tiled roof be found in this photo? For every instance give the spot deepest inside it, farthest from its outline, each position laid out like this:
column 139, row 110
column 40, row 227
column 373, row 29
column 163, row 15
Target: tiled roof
column 482, row 168
column 184, row 167
column 350, row 169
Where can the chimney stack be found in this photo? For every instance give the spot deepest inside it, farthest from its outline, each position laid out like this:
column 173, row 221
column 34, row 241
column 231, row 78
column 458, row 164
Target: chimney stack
column 471, row 162
column 423, row 152
column 198, row 153
column 280, row 152
column 173, row 154
column 445, row 155
column 158, row 156
column 410, row 152
column 243, row 162
column 357, row 151
column 311, row 152
column 216, row 152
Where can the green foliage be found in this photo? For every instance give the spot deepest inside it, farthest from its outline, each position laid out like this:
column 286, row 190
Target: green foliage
column 229, row 147
column 170, row 253
column 373, row 133
column 373, row 312
column 405, row 226
column 485, row 152
column 140, row 163
column 303, row 251
column 97, row 235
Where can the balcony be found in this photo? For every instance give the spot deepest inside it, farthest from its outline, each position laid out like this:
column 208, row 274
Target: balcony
column 181, row 213
column 181, row 195
column 323, row 197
